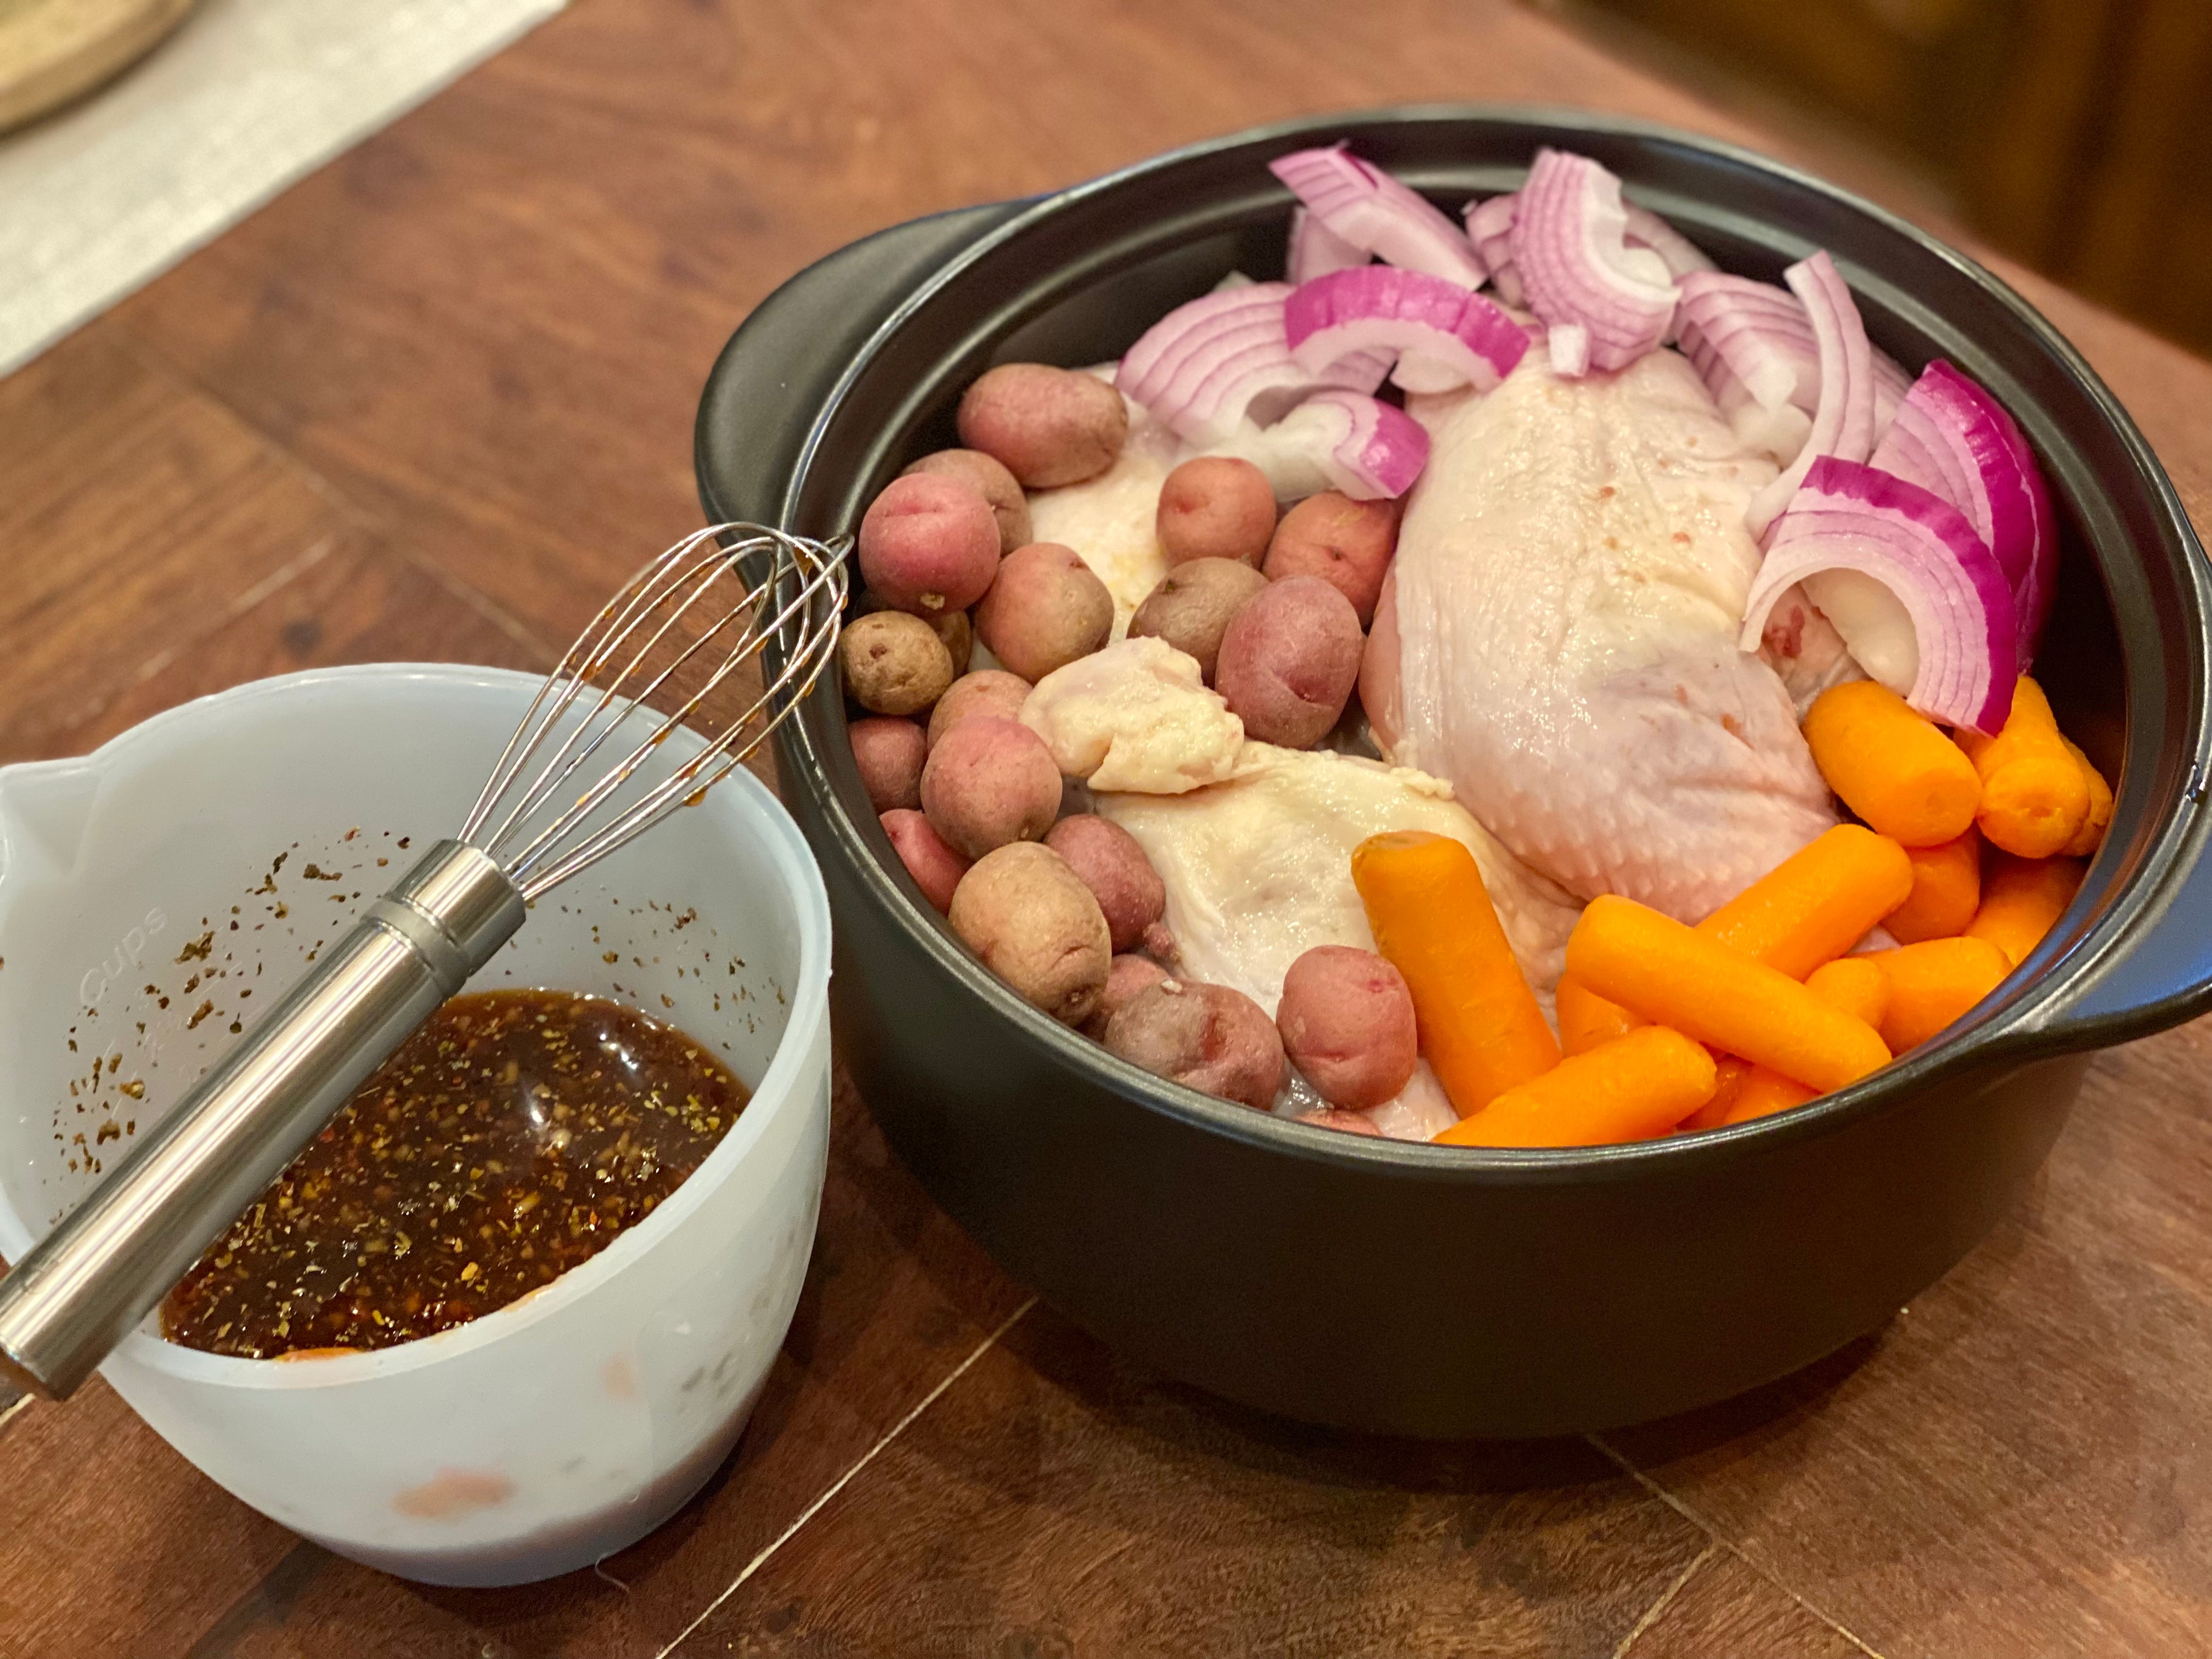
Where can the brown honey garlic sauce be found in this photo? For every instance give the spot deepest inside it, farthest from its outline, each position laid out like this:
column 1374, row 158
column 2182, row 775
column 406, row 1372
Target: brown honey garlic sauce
column 512, row 1137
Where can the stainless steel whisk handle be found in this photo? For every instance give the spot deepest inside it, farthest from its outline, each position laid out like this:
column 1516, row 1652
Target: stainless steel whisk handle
column 83, row 1287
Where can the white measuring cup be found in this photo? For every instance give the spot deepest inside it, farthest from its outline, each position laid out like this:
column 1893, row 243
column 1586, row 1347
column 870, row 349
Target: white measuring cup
column 142, row 924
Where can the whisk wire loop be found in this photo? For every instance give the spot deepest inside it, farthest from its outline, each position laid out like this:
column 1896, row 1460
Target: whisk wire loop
column 648, row 657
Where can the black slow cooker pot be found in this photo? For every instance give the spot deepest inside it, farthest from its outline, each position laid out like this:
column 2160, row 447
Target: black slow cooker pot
column 1415, row 1289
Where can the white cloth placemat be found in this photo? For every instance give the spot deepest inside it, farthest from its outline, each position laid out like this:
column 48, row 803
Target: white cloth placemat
column 246, row 98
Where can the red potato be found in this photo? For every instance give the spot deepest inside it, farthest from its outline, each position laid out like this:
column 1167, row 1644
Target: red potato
column 1126, row 975
column 986, row 691
column 1288, row 661
column 1351, row 1123
column 958, row 630
column 1036, row 926
column 1191, row 607
column 893, row 663
column 890, row 753
column 988, row 783
column 1216, row 507
column 988, row 479
column 955, row 628
column 1347, row 543
column 1347, row 1019
column 1047, row 426
column 928, row 544
column 935, row 867
column 1119, row 875
column 1207, row 1038
column 1045, row 609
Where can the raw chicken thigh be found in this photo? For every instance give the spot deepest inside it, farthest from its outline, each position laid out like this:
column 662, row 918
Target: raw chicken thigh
column 1257, row 870
column 1569, row 585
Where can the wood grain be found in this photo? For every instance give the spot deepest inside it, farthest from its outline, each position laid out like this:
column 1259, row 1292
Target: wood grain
column 109, row 1542
column 433, row 400
column 2017, row 1464
column 138, row 522
column 1725, row 1610
column 1055, row 1502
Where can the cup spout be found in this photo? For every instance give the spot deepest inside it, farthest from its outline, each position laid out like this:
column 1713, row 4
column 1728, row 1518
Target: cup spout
column 45, row 807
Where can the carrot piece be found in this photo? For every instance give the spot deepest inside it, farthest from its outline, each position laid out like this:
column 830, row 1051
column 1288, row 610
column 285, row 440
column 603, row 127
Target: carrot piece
column 1857, row 985
column 1674, row 976
column 2034, row 797
column 1764, row 1093
column 2091, row 835
column 1816, row 903
column 1932, row 983
column 1733, row 1073
column 1587, row 1019
column 2022, row 902
column 1629, row 1089
column 1892, row 766
column 1433, row 920
column 1947, row 891
column 1808, row 909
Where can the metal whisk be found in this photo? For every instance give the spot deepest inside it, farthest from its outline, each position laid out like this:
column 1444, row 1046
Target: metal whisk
column 675, row 647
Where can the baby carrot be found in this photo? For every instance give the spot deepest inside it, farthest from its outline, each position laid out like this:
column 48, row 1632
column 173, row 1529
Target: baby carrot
column 1586, row 1019
column 1808, row 909
column 1852, row 984
column 1732, row 1075
column 1674, row 976
column 1432, row 919
column 1892, row 766
column 1947, row 891
column 2024, row 899
column 1629, row 1089
column 1816, row 903
column 1932, row 983
column 1764, row 1093
column 1856, row 985
column 2091, row 835
column 2034, row 797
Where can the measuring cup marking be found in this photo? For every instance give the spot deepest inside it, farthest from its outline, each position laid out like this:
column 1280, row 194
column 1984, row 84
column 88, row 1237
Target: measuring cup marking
column 129, row 953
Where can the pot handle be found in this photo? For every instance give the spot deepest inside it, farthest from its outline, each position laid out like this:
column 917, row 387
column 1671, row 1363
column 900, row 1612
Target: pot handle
column 2159, row 975
column 780, row 366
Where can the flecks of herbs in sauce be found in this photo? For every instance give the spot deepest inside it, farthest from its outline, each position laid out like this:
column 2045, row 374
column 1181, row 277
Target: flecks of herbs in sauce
column 513, row 1137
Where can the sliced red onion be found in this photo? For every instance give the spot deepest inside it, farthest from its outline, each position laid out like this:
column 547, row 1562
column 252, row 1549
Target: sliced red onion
column 1850, row 517
column 1951, row 437
column 1315, row 250
column 1368, row 209
column 1569, row 242
column 1891, row 386
column 1568, row 346
column 1754, row 346
column 1680, row 254
column 1337, row 441
column 1207, row 367
column 1490, row 228
column 1749, row 341
column 1842, row 424
column 1452, row 336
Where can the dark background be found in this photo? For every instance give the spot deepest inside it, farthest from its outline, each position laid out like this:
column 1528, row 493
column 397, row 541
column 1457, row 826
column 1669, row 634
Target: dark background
column 2075, row 135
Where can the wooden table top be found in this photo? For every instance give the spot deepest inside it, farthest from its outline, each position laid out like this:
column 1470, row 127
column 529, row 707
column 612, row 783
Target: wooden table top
column 436, row 399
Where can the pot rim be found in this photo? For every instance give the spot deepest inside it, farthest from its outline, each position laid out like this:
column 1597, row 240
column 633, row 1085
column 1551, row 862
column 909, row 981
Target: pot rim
column 2016, row 1027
